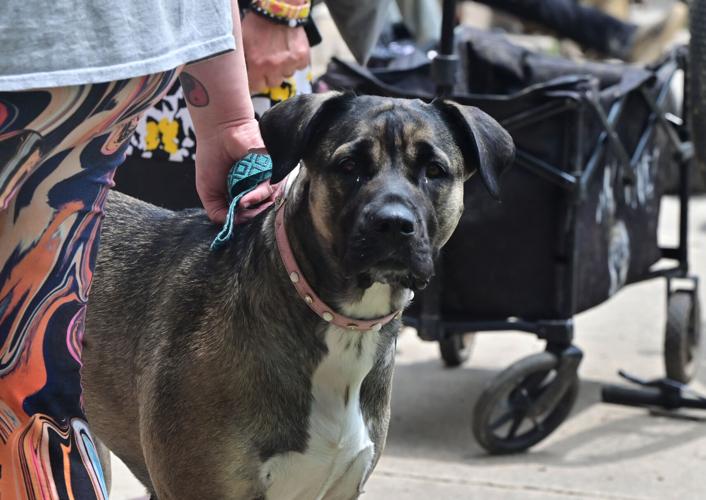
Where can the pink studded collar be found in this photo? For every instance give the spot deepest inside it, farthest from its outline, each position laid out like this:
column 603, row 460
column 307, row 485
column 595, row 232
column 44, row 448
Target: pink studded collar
column 304, row 289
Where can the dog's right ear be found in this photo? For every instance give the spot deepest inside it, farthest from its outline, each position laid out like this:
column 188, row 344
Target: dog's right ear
column 289, row 127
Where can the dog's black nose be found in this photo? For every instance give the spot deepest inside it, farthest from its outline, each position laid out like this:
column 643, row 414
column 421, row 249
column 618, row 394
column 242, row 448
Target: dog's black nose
column 393, row 220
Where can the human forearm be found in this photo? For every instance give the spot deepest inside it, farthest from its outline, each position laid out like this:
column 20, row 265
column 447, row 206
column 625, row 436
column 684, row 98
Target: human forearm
column 216, row 92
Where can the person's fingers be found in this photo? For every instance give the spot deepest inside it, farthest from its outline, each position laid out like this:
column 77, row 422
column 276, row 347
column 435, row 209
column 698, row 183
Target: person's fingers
column 257, row 195
column 301, row 57
column 211, row 188
column 217, row 212
column 256, row 82
column 281, row 68
column 288, row 72
column 299, row 49
column 273, row 81
column 262, row 72
column 284, row 70
column 215, row 205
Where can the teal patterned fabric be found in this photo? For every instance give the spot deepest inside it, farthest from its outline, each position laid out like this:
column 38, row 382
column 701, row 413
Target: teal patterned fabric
column 252, row 170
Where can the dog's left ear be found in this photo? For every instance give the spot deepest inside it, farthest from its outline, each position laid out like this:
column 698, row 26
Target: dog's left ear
column 289, row 127
column 485, row 144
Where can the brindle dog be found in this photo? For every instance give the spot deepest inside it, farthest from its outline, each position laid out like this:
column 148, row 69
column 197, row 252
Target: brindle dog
column 208, row 375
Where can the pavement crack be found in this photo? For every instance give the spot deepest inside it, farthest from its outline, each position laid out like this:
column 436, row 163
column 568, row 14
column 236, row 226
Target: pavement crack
column 506, row 486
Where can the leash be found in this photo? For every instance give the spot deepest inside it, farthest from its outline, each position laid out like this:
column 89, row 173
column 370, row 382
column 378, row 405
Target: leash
column 252, row 173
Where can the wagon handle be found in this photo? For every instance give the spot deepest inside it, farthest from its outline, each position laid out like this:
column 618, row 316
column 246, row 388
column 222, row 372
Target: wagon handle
column 445, row 63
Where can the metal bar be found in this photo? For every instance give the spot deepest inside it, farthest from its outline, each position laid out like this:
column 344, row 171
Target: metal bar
column 570, row 277
column 536, row 114
column 657, row 115
column 556, row 331
column 546, row 171
column 492, row 326
column 684, row 171
column 430, row 325
column 614, row 140
column 685, row 167
column 671, row 272
column 445, row 63
column 670, row 253
column 593, row 162
column 447, row 27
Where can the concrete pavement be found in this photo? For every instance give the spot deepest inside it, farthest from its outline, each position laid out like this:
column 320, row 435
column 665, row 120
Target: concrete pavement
column 600, row 452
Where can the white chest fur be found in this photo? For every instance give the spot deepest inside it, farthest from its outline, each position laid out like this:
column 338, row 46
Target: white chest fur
column 339, row 452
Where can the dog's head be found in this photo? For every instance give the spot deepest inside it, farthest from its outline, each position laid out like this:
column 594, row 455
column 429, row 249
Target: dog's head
column 384, row 177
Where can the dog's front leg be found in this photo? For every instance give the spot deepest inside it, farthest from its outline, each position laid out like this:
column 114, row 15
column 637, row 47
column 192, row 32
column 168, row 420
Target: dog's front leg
column 191, row 463
column 178, row 484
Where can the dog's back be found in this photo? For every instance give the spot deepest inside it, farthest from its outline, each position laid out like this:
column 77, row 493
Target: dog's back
column 141, row 245
column 137, row 250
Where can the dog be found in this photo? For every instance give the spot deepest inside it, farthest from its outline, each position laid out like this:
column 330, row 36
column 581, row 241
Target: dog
column 263, row 370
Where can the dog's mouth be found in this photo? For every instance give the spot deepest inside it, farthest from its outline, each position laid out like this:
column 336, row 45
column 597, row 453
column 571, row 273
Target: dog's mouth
column 413, row 273
column 402, row 280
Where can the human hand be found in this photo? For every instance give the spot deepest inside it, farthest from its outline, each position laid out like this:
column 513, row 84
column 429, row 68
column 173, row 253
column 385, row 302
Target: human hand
column 273, row 51
column 215, row 155
column 216, row 93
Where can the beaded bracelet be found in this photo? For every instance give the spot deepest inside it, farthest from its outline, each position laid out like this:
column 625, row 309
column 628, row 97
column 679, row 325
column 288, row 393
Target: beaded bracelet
column 282, row 12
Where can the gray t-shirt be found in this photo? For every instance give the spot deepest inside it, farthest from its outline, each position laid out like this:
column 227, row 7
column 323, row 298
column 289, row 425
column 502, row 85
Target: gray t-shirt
column 51, row 43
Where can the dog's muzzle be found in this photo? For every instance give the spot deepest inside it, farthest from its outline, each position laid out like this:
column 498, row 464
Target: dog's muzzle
column 390, row 244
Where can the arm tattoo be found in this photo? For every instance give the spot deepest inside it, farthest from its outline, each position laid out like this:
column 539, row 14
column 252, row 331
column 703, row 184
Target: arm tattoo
column 194, row 91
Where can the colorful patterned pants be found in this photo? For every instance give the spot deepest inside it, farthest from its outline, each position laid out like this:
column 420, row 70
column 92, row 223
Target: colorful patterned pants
column 59, row 148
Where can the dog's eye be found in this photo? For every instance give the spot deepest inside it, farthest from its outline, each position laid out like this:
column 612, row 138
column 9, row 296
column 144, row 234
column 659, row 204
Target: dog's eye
column 434, row 171
column 347, row 166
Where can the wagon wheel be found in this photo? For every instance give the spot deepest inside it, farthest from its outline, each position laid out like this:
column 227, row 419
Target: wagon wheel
column 455, row 349
column 697, row 89
column 682, row 335
column 506, row 418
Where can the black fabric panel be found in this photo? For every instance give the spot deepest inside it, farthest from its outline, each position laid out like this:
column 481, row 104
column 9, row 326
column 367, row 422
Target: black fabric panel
column 161, row 182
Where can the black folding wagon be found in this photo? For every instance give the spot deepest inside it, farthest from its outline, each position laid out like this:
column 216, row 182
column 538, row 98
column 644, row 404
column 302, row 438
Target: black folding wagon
column 597, row 146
